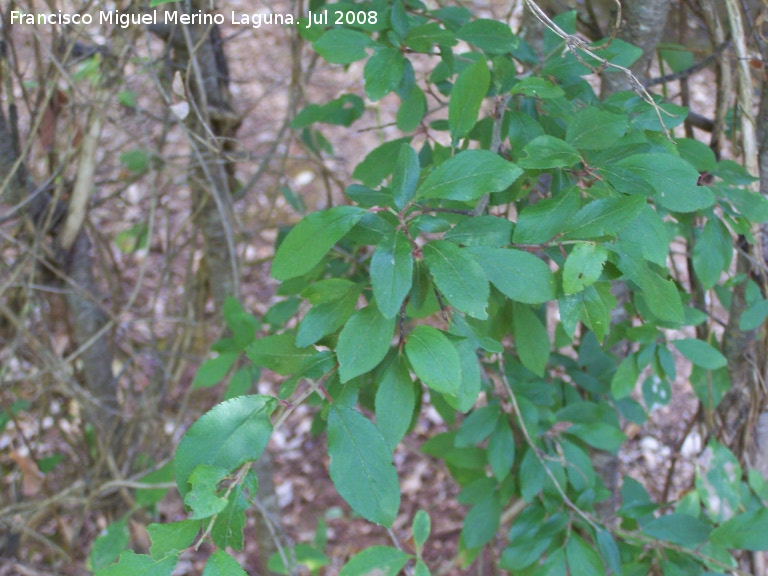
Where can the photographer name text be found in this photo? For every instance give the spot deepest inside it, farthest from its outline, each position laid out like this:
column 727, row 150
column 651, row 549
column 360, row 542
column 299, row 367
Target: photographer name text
column 173, row 17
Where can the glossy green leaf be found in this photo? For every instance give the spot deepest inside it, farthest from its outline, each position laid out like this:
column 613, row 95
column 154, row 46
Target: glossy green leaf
column 674, row 180
column 363, row 342
column 660, row 294
column 518, row 275
column 754, row 316
column 405, row 177
column 531, row 339
column 466, row 98
column 701, row 353
column 468, row 175
column 536, row 87
column 311, row 239
column 583, row 267
column 376, row 560
column 423, row 38
column 361, row 466
column 543, row 221
column 203, row 498
column 491, row 36
column 458, row 277
column 213, row 370
column 383, row 72
column 547, row 152
column 342, row 45
column 477, row 426
column 434, row 359
column 392, row 273
column 228, row 435
column 395, row 401
column 230, row 522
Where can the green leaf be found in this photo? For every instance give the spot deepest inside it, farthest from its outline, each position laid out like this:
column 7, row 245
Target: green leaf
column 541, row 222
column 405, row 177
column 132, row 564
column 625, row 378
column 395, row 401
column 468, row 175
column 361, row 466
column 548, row 152
column 748, row 531
column 660, row 294
column 531, row 339
column 718, row 482
column 482, row 522
column 754, row 316
column 477, row 426
column 583, row 267
column 422, row 526
column 230, row 522
column 679, row 529
column 241, row 322
column 595, row 129
column 228, row 435
column 536, row 87
column 518, row 275
column 701, row 353
column 600, row 435
column 376, row 561
column 422, row 38
column 596, row 309
column 279, row 353
column 363, row 342
column 109, row 544
column 342, row 111
column 222, row 564
column 383, row 72
column 434, row 359
column 392, row 273
column 305, row 555
column 327, row 317
column 136, row 160
column 311, row 239
column 501, row 450
column 712, row 253
column 203, row 498
column 412, row 110
column 379, row 163
column 481, row 231
column 213, row 370
column 646, row 236
column 172, row 537
column 459, row 277
column 342, row 45
column 604, row 217
column 491, row 36
column 609, row 550
column 466, row 98
column 581, row 557
column 674, row 180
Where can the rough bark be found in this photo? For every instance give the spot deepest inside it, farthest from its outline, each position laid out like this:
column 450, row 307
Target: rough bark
column 643, row 23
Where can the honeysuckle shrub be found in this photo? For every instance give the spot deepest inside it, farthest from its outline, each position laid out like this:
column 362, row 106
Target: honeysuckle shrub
column 488, row 261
